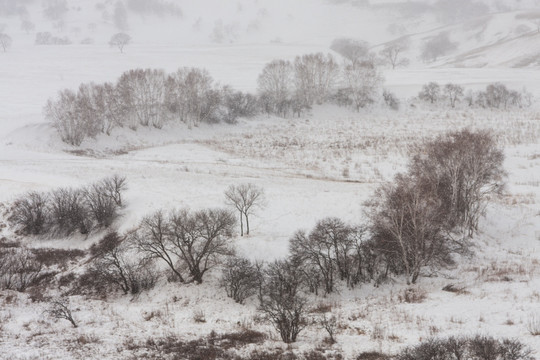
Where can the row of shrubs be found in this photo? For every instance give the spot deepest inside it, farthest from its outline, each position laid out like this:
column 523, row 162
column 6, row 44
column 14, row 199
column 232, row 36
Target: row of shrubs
column 65, row 211
column 495, row 96
column 226, row 346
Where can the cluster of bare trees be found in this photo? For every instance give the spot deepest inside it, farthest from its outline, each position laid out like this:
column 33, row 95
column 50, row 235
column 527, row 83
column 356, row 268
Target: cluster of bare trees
column 145, row 98
column 495, row 96
column 428, row 213
column 292, row 87
column 65, row 211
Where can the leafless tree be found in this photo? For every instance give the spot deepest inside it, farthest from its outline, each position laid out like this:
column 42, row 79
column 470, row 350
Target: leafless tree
column 120, row 40
column 437, row 46
column 281, row 298
column 101, row 207
column 5, row 41
column 194, row 241
column 153, row 239
column 275, row 83
column 114, row 186
column 19, row 269
column 351, row 49
column 68, row 212
column 240, row 279
column 314, row 77
column 464, row 169
column 392, row 53
column 245, row 198
column 430, row 92
column 27, row 26
column 362, row 81
column 329, row 249
column 67, row 119
column 60, row 309
column 391, row 100
column 192, row 97
column 407, row 225
column 454, row 93
column 202, row 239
column 238, row 104
column 143, row 93
column 115, row 262
column 30, row 213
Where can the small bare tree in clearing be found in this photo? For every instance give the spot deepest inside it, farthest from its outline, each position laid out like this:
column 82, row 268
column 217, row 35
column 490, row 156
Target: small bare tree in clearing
column 60, row 309
column 120, row 40
column 392, row 53
column 454, row 93
column 245, row 198
column 5, row 41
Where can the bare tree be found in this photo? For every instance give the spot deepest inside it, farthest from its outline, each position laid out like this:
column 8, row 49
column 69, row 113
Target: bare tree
column 115, row 262
column 153, row 239
column 351, row 49
column 202, row 239
column 315, row 76
column 192, row 97
column 392, row 53
column 5, row 41
column 329, row 249
column 281, row 299
column 19, row 269
column 408, row 226
column 454, row 93
column 196, row 241
column 362, row 82
column 114, row 186
column 60, row 309
column 143, row 93
column 437, row 46
column 240, row 279
column 464, row 169
column 430, row 92
column 245, row 198
column 275, row 83
column 69, row 213
column 120, row 40
column 30, row 213
column 27, row 26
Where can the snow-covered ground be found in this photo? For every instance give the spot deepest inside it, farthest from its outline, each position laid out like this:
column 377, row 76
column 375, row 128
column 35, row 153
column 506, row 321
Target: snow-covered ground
column 326, row 163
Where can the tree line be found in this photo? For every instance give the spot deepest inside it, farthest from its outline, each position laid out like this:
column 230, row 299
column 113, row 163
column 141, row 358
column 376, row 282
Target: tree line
column 417, row 221
column 151, row 98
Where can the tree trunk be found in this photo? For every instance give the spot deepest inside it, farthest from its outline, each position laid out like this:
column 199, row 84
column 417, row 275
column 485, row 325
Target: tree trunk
column 247, row 224
column 241, row 224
